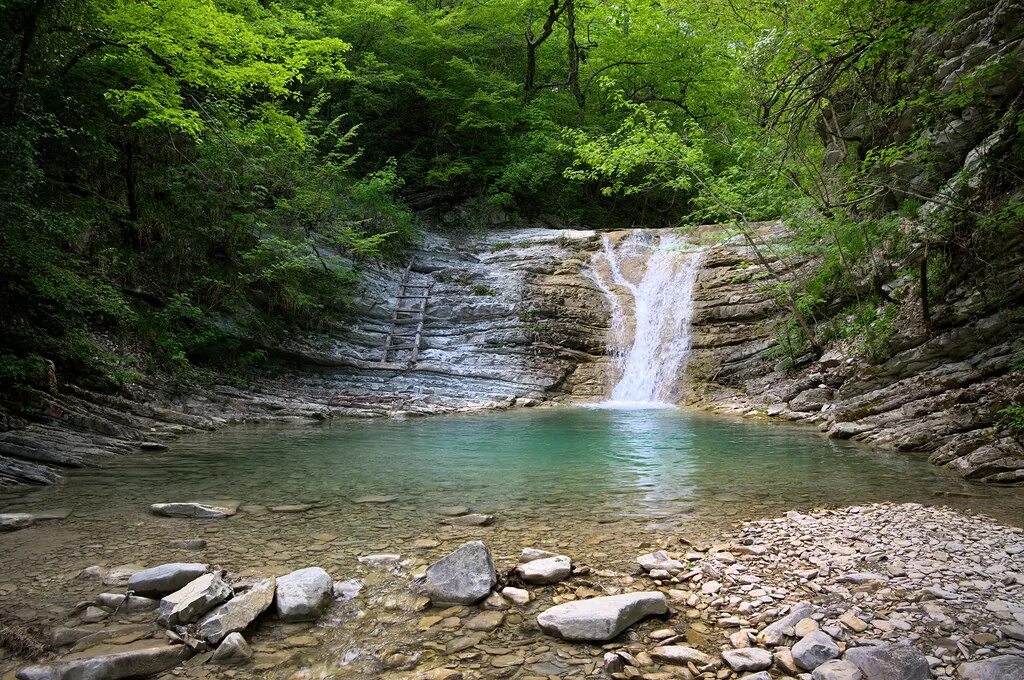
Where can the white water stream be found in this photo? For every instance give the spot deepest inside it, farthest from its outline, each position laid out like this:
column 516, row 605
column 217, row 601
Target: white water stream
column 648, row 280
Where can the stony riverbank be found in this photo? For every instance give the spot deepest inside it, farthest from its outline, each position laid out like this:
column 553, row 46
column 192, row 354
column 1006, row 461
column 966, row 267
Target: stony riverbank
column 879, row 592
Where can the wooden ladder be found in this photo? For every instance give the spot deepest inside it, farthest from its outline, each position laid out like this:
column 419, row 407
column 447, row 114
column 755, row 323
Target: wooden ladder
column 419, row 293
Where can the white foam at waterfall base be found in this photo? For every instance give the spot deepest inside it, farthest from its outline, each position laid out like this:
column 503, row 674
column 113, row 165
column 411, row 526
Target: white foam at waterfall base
column 652, row 359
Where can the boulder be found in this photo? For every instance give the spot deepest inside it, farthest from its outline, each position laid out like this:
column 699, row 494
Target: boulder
column 137, row 660
column 601, row 618
column 814, row 649
column 303, row 595
column 889, row 662
column 679, row 655
column 545, row 570
column 659, row 560
column 238, row 613
column 194, row 510
column 1006, row 667
column 748, row 659
column 837, row 670
column 234, row 649
column 194, row 600
column 773, row 634
column 12, row 521
column 464, row 576
column 166, row 578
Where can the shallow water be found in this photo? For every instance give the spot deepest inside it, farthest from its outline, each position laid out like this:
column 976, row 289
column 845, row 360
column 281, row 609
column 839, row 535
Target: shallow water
column 602, row 485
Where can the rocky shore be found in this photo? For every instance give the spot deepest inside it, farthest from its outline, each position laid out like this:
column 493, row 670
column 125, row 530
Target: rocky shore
column 877, row 592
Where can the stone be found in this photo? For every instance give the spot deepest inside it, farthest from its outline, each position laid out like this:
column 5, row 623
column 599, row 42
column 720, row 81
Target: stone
column 464, row 576
column 166, row 578
column 137, row 660
column 453, row 510
column 238, row 613
column 485, row 621
column 763, row 675
column 601, row 618
column 94, row 615
column 659, row 560
column 194, row 510
column 853, row 622
column 475, row 520
column 12, row 521
column 679, row 655
column 837, row 669
column 1005, row 667
column 814, row 649
column 517, row 595
column 496, row 602
column 805, row 627
column 382, row 558
column 303, row 595
column 749, row 659
column 127, row 603
column 234, row 649
column 772, row 635
column 290, row 509
column 545, row 570
column 194, row 600
column 889, row 662
column 530, row 554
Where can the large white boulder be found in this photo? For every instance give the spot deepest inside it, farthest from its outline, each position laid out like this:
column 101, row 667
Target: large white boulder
column 545, row 570
column 236, row 614
column 194, row 600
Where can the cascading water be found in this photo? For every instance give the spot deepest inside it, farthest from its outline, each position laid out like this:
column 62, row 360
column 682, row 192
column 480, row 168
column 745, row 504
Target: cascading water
column 651, row 337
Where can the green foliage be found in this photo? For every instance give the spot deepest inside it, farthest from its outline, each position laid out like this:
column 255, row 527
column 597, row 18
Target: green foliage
column 481, row 289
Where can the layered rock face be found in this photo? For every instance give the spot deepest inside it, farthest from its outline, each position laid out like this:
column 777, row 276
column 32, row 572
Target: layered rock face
column 513, row 318
column 937, row 393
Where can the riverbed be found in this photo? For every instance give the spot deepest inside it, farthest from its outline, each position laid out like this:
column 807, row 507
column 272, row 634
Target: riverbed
column 601, row 485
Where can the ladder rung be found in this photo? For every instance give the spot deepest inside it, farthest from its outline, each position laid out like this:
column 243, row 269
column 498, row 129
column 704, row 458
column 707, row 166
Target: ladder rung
column 406, row 322
column 417, row 285
column 413, row 297
column 395, row 347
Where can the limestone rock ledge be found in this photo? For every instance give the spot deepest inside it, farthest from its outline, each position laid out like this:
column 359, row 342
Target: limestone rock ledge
column 513, row 320
column 937, row 394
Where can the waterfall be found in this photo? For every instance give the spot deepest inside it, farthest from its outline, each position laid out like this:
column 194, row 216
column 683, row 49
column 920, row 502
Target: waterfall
column 648, row 280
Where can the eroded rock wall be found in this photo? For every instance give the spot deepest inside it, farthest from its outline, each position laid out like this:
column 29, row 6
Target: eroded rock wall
column 513, row 319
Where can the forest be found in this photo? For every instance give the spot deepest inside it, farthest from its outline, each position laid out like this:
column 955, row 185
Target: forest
column 182, row 177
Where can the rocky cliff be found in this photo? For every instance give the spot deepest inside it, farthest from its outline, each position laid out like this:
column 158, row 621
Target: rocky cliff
column 512, row 319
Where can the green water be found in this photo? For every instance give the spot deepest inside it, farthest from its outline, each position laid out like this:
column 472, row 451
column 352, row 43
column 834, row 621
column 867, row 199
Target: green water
column 600, row 485
column 649, row 463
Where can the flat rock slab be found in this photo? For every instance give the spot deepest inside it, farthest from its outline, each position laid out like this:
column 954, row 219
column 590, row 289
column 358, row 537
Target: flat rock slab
column 453, row 510
column 141, row 660
column 239, row 612
column 601, row 618
column 464, row 576
column 166, row 578
column 195, row 509
column 474, row 520
column 127, row 604
column 837, row 670
column 679, row 655
column 303, row 595
column 749, row 659
column 889, row 662
column 300, row 507
column 659, row 560
column 545, row 570
column 1006, row 667
column 194, row 600
column 12, row 521
column 375, row 499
